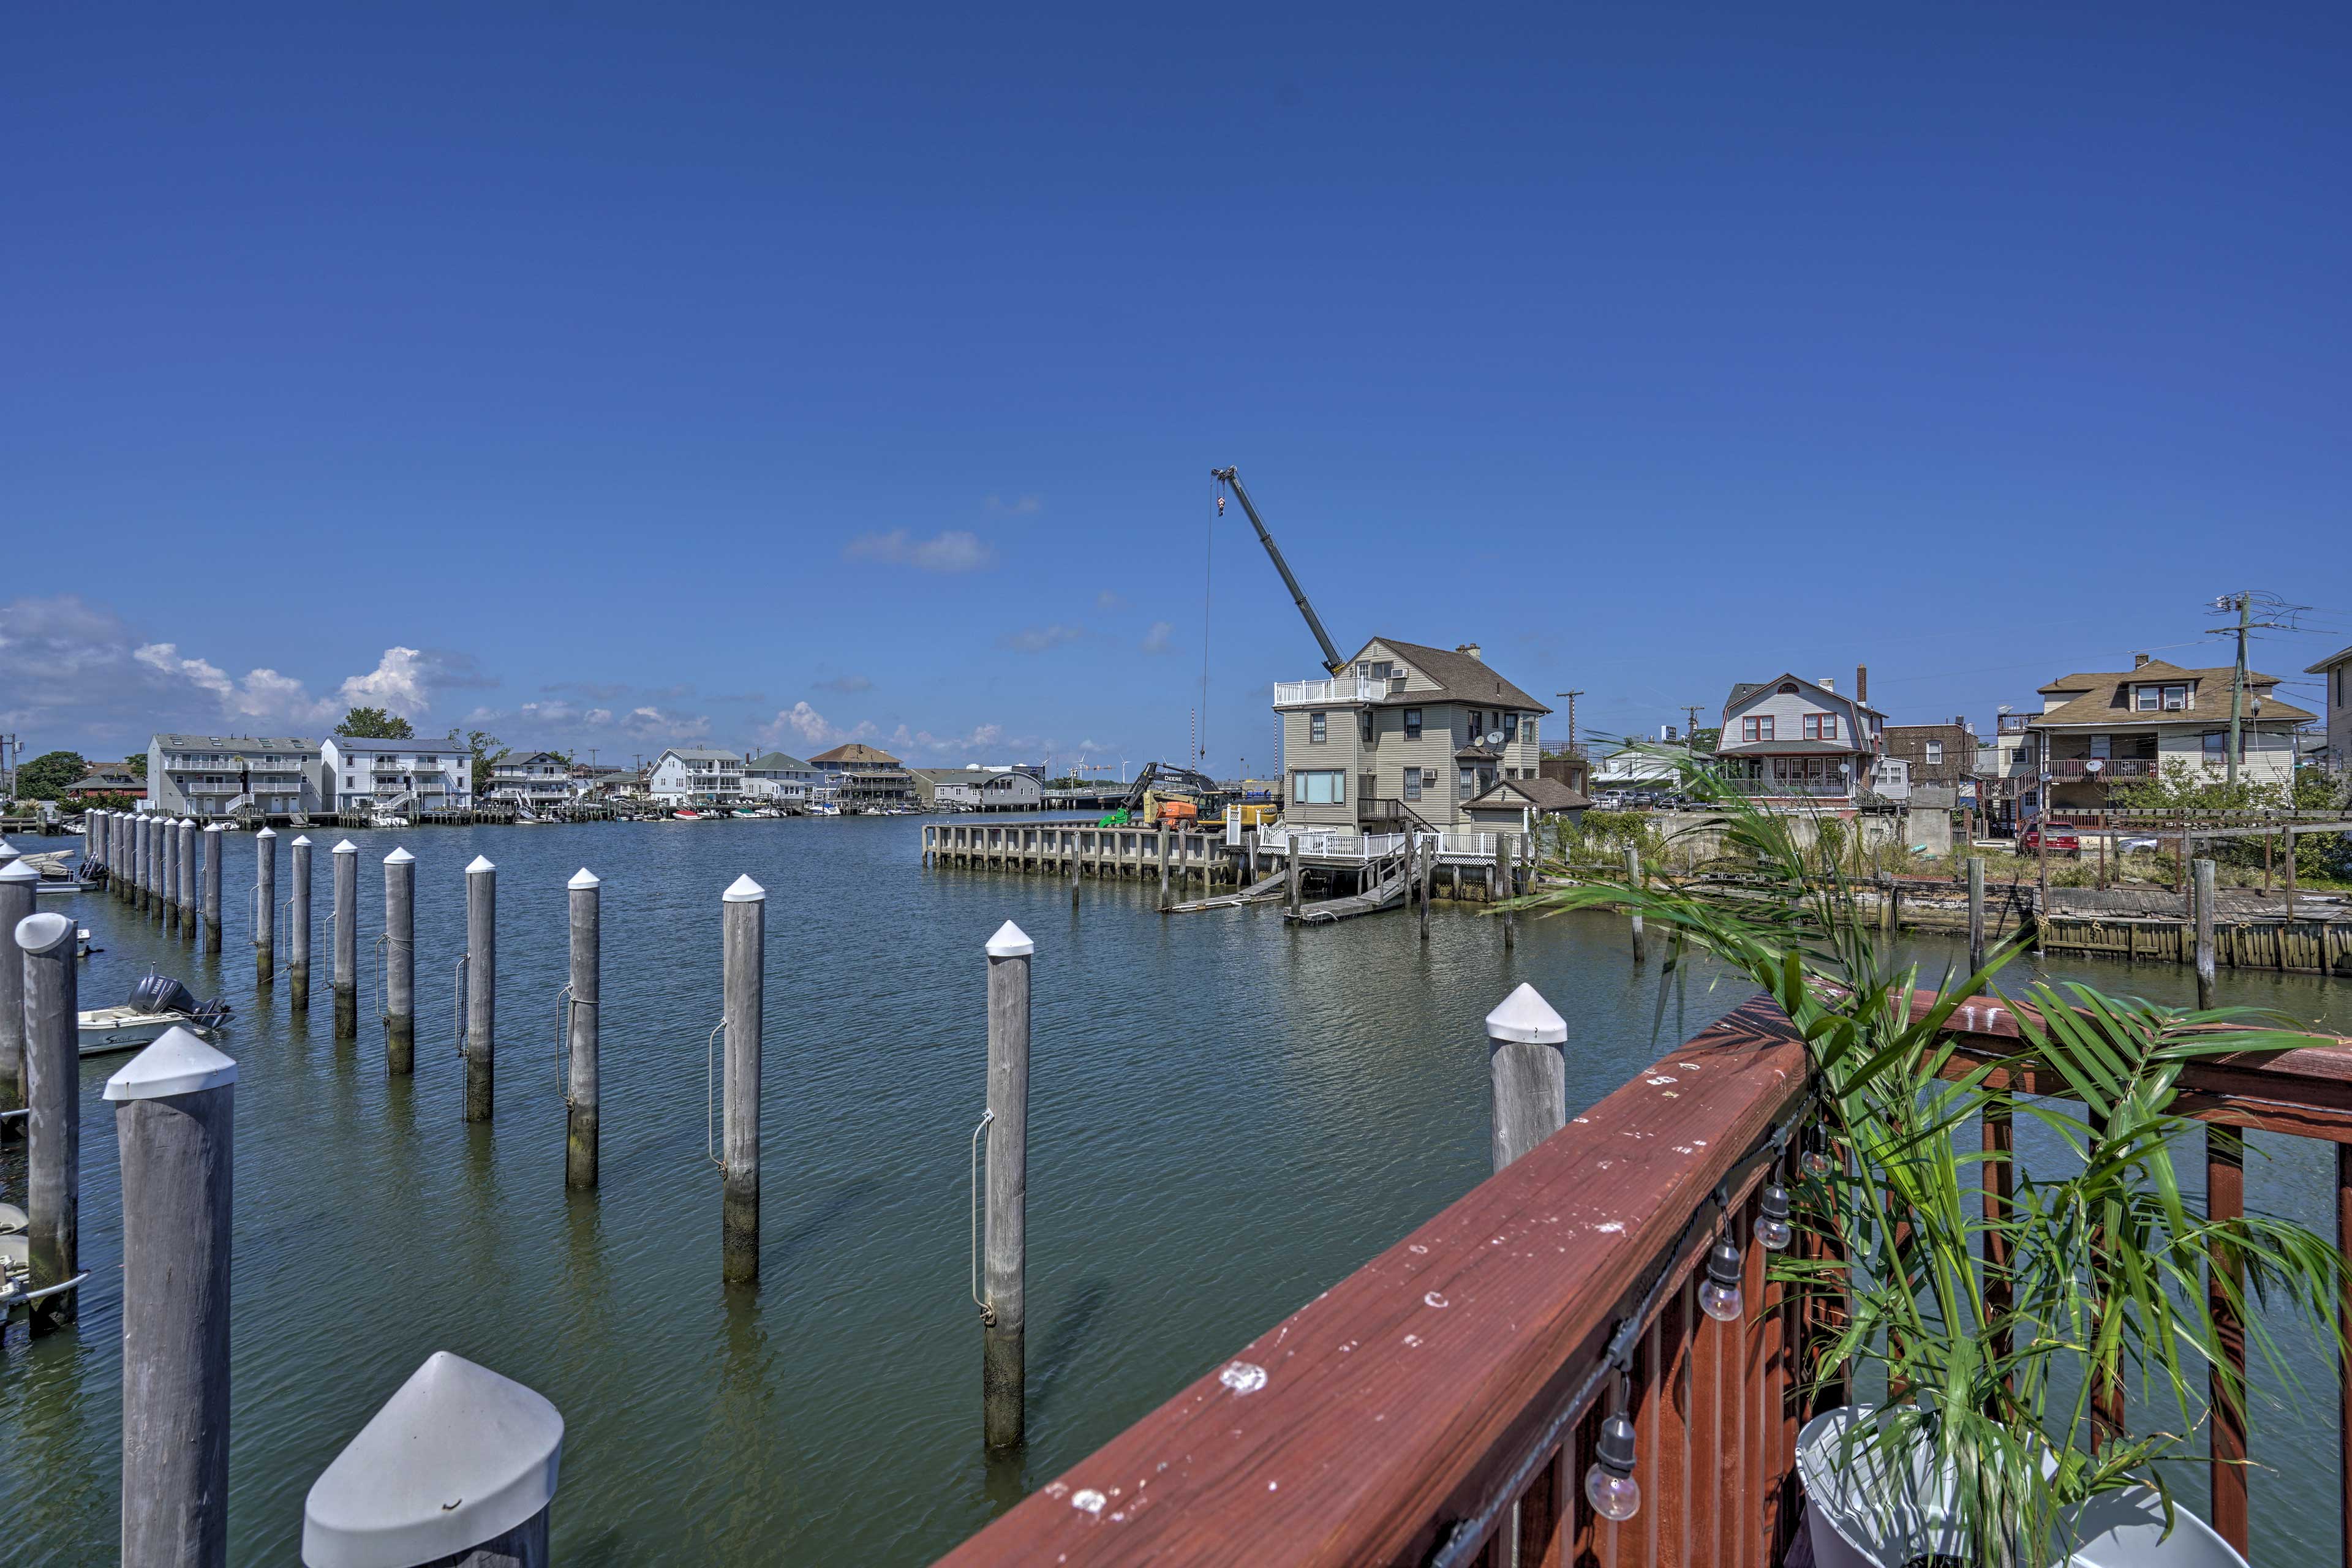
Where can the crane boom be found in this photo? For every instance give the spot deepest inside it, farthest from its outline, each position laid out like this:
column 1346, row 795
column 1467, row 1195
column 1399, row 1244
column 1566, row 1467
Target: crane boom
column 1332, row 662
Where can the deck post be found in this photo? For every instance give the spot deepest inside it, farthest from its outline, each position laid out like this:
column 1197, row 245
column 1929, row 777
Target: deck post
column 346, row 960
column 1006, row 1251
column 400, row 962
column 1634, row 880
column 458, row 1466
column 17, row 881
column 298, row 927
column 174, row 1121
column 582, row 1027
column 53, row 1089
column 2204, row 870
column 1526, row 1067
column 2290, row 882
column 1976, row 913
column 265, row 912
column 743, row 924
column 481, row 987
column 216, row 850
column 1503, row 879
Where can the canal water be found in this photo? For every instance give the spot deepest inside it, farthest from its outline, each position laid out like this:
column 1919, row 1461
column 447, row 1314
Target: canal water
column 1226, row 1116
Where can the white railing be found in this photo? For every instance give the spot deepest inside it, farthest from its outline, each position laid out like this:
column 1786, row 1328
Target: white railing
column 1345, row 688
column 1451, row 841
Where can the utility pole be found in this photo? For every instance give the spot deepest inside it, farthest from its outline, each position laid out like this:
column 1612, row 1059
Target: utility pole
column 2278, row 616
column 1572, row 697
column 2237, row 686
column 1690, row 727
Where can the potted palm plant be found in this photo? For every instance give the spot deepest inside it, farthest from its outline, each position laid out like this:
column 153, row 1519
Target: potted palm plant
column 1999, row 1342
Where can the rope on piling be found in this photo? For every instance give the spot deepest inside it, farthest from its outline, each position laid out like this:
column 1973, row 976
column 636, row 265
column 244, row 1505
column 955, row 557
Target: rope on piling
column 987, row 1312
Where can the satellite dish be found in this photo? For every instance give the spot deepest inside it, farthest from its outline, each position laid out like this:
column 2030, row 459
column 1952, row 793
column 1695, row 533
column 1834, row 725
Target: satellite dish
column 1493, row 737
column 2094, row 764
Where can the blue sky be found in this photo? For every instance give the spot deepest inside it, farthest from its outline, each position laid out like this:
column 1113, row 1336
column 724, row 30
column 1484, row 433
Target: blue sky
column 608, row 375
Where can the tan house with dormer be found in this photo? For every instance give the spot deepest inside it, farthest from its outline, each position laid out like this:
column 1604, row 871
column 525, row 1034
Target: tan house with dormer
column 1408, row 734
column 2102, row 727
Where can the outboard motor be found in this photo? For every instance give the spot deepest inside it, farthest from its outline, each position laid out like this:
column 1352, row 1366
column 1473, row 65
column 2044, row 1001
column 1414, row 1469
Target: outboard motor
column 162, row 994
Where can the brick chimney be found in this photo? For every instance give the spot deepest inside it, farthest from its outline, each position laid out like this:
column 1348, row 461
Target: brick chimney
column 1862, row 683
column 1827, row 683
column 1473, row 650
column 2138, row 660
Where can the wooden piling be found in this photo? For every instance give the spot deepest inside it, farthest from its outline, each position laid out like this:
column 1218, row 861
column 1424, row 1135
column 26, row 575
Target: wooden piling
column 215, row 846
column 170, row 894
column 1426, row 854
column 481, row 987
column 265, row 911
column 1503, row 885
column 1527, row 1068
column 2290, row 879
column 1976, row 913
column 192, row 841
column 345, row 960
column 400, row 962
column 53, row 1089
column 175, row 1122
column 1005, row 1253
column 1163, row 867
column 298, row 929
column 2204, row 870
column 17, row 881
column 1298, row 876
column 1077, row 842
column 743, row 940
column 1634, row 880
column 584, row 1026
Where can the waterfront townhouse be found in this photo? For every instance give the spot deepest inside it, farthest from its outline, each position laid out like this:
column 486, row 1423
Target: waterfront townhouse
column 1801, row 741
column 214, row 778
column 396, row 776
column 1407, row 734
column 537, row 781
column 973, row 787
column 697, row 775
column 2099, row 729
column 2335, row 749
column 865, row 778
column 780, row 778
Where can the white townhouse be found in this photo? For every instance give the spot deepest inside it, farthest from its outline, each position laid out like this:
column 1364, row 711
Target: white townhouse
column 697, row 775
column 396, row 776
column 215, row 777
column 534, row 779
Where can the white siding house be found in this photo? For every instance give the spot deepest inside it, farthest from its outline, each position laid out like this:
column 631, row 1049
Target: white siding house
column 1801, row 741
column 697, row 775
column 215, row 777
column 395, row 775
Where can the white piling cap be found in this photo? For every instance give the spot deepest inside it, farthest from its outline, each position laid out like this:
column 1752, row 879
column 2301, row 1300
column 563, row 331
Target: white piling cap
column 267, row 832
column 743, row 890
column 1009, row 942
column 1526, row 1018
column 583, row 878
column 481, row 864
column 399, row 856
column 18, row 871
column 209, row 827
column 457, row 1456
column 40, row 933
column 346, row 848
column 178, row 1063
column 302, row 841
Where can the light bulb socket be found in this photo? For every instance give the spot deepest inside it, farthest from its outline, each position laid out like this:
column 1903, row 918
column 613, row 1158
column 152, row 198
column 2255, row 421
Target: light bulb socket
column 1774, row 1205
column 1723, row 1264
column 1615, row 1449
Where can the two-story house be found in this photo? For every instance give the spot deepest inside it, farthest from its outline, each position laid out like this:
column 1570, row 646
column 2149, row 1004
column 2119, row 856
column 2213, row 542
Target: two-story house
column 697, row 775
column 2334, row 751
column 1800, row 741
column 1407, row 734
column 781, row 778
column 217, row 777
column 540, row 781
column 2101, row 728
column 395, row 775
column 859, row 777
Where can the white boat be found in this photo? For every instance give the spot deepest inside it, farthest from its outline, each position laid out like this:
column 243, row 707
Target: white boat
column 387, row 819
column 106, row 1030
column 823, row 808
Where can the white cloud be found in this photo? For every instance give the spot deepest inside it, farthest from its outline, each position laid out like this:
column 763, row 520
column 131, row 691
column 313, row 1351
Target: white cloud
column 397, row 684
column 264, row 696
column 956, row 549
column 802, row 725
column 1159, row 638
column 165, row 657
column 1037, row 639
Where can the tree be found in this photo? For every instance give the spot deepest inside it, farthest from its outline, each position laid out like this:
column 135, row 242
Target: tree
column 50, row 774
column 486, row 750
column 374, row 724
column 136, row 763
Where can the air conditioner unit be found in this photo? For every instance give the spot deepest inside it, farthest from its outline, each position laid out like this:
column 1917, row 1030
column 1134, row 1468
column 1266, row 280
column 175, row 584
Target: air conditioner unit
column 2174, row 704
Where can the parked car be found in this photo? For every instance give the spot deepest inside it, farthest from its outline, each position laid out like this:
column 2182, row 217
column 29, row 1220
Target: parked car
column 2063, row 839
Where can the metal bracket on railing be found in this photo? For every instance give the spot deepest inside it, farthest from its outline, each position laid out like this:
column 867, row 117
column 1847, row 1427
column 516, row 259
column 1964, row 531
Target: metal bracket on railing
column 12, row 1115
column 459, row 975
column 987, row 1312
column 565, row 1002
column 19, row 1299
column 710, row 1095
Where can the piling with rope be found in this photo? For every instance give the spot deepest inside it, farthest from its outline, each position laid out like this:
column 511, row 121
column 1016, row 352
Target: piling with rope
column 743, row 929
column 215, row 846
column 18, row 883
column 1005, row 1255
column 53, row 1135
column 399, row 963
column 582, row 1026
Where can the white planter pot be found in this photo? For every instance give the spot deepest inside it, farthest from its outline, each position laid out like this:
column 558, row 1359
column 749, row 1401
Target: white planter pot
column 1857, row 1515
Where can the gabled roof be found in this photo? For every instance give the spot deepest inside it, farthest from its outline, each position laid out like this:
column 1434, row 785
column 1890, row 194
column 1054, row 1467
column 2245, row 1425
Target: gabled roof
column 518, row 760
column 1544, row 795
column 778, row 762
column 1741, row 691
column 856, row 752
column 701, row 754
column 2330, row 662
column 1463, row 678
column 2107, row 698
column 412, row 743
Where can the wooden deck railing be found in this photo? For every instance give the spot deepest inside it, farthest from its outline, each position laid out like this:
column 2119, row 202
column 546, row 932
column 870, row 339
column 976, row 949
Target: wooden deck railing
column 1440, row 1406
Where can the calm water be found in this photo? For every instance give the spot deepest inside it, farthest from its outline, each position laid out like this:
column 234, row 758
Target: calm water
column 1226, row 1116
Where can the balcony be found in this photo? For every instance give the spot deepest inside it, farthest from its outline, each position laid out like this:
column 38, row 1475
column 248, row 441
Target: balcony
column 1344, row 689
column 2014, row 723
column 2102, row 767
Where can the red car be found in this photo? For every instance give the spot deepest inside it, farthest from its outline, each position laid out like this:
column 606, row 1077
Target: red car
column 2063, row 840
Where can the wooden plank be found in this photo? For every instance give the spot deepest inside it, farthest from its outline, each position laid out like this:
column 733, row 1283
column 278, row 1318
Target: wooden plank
column 2225, row 1198
column 1355, row 1430
column 1670, row 1411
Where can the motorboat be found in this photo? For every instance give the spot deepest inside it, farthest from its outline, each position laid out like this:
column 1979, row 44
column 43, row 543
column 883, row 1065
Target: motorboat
column 823, row 808
column 55, row 876
column 157, row 1003
column 687, row 813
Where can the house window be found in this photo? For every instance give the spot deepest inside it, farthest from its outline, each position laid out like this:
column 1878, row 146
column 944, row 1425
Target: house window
column 1812, row 726
column 1510, row 727
column 1412, row 723
column 1317, row 726
column 1469, row 783
column 1320, row 787
column 1412, row 784
column 2103, row 746
column 2145, row 698
column 1756, row 727
column 1477, row 725
column 1935, row 752
column 1364, row 726
column 2217, row 745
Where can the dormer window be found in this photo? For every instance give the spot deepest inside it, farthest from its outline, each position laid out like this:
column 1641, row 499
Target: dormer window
column 2150, row 698
column 1788, row 689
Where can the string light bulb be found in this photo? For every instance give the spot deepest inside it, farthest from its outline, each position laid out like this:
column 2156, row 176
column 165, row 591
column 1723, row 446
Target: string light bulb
column 1772, row 1219
column 1719, row 1296
column 1609, row 1485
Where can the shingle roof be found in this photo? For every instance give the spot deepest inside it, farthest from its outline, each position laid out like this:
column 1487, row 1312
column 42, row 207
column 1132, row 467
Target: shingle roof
column 2330, row 662
column 238, row 742
column 1544, row 795
column 1743, row 690
column 778, row 759
column 856, row 752
column 2107, row 698
column 1462, row 677
column 703, row 755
